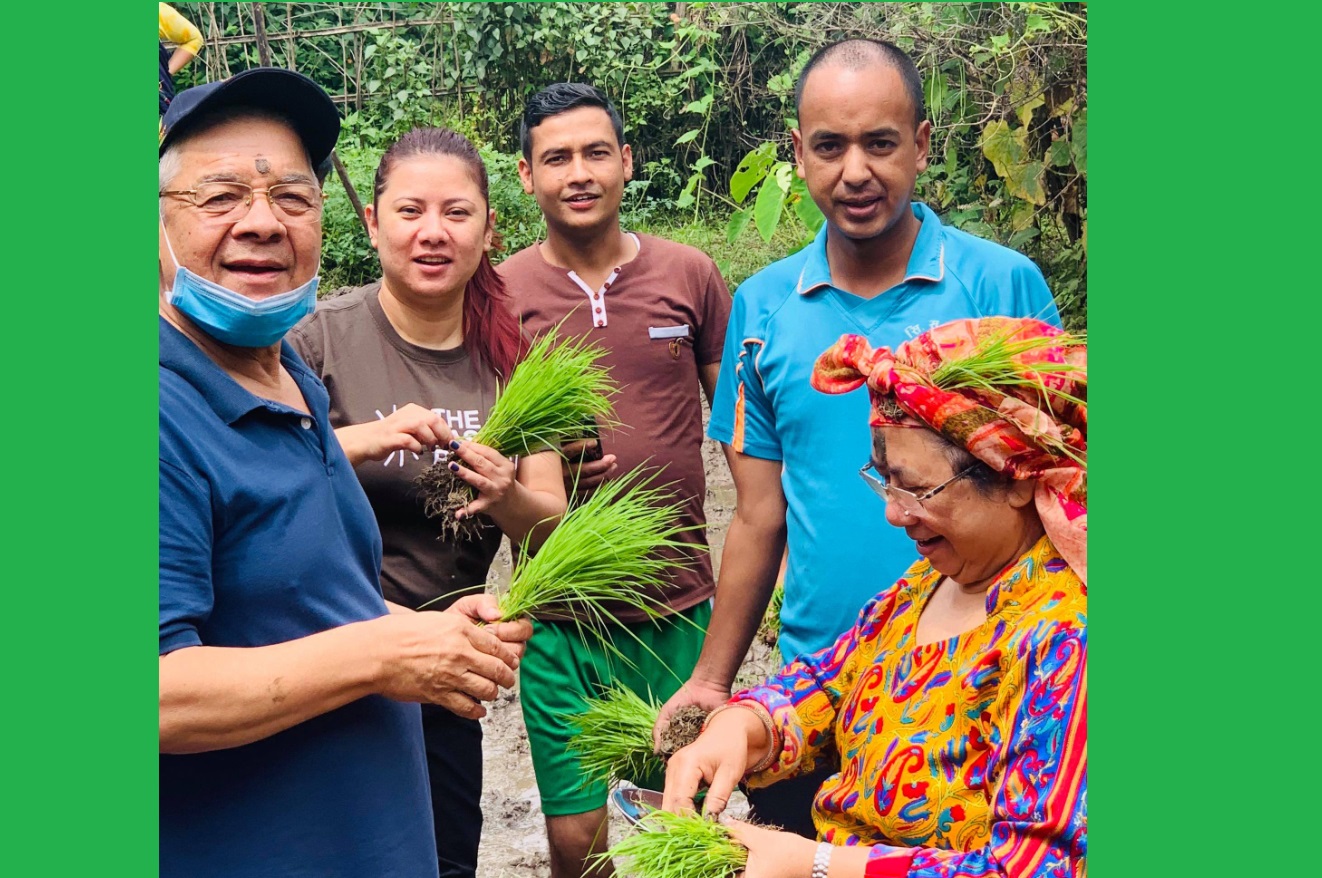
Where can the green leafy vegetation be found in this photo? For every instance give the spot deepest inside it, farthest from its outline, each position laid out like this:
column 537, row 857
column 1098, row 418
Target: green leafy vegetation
column 706, row 91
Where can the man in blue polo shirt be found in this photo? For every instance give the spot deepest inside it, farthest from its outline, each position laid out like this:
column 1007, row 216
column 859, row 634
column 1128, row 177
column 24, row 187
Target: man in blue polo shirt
column 884, row 267
column 288, row 742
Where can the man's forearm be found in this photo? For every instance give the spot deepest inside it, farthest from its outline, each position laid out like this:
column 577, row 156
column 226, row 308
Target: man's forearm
column 351, row 439
column 212, row 698
column 749, row 564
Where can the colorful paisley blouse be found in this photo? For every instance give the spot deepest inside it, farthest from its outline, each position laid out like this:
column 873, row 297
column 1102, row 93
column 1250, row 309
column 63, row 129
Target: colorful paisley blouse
column 959, row 758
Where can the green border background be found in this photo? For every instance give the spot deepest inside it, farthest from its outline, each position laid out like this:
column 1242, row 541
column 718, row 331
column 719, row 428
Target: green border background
column 1190, row 156
column 79, row 777
column 1202, row 746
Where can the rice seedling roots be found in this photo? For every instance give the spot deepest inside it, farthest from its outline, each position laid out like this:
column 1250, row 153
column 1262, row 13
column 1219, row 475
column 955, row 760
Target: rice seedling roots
column 685, row 724
column 444, row 494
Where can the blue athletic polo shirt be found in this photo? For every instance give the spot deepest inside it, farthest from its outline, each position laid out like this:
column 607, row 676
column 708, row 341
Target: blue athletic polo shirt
column 841, row 550
column 265, row 537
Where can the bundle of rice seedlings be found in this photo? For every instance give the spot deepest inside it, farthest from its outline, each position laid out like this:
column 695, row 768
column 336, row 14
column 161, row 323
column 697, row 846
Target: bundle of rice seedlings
column 613, row 737
column 666, row 845
column 605, row 550
column 1003, row 361
column 556, row 391
column 998, row 362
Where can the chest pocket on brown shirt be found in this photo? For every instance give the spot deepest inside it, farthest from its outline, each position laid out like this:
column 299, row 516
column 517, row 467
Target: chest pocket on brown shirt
column 674, row 337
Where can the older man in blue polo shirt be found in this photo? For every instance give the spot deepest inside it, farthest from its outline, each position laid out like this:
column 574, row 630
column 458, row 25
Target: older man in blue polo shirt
column 884, row 267
column 288, row 742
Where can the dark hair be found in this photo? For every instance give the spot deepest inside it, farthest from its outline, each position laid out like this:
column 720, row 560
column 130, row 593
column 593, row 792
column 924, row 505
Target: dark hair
column 857, row 54
column 491, row 331
column 561, row 98
column 985, row 479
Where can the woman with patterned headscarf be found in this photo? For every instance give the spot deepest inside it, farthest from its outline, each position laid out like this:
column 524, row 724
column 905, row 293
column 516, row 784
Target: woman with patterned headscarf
column 956, row 709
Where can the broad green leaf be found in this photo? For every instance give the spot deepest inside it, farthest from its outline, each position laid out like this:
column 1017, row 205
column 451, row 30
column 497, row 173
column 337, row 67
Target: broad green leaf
column 1036, row 23
column 688, row 136
column 1079, row 142
column 804, row 207
column 1024, row 86
column 702, row 163
column 1021, row 217
column 1025, row 181
column 686, row 198
column 1001, row 147
column 738, row 222
column 1058, row 154
column 701, row 105
column 1025, row 111
column 767, row 209
column 784, row 173
column 1019, row 239
column 1000, row 41
column 751, row 171
column 369, row 51
column 780, row 84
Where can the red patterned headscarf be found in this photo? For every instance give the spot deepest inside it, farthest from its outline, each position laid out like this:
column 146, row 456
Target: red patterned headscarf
column 999, row 387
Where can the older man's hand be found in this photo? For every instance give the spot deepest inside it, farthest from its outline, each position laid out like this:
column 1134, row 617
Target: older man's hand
column 411, row 428
column 445, row 659
column 483, row 609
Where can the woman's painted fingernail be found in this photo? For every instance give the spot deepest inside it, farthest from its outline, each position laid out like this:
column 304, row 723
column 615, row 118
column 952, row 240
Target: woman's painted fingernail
column 454, row 444
column 454, row 467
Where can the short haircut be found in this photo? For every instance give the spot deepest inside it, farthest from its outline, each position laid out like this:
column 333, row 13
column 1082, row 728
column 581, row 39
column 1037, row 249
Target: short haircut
column 561, row 98
column 858, row 54
column 172, row 159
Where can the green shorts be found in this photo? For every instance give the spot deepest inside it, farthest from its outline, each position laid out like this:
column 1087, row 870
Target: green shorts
column 559, row 670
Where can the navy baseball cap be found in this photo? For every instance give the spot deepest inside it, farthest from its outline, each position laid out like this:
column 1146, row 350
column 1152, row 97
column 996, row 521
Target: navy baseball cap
column 300, row 100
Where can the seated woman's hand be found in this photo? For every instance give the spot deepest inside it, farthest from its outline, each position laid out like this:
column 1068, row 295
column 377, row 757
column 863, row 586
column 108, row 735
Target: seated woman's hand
column 718, row 758
column 773, row 853
column 489, row 472
column 484, row 610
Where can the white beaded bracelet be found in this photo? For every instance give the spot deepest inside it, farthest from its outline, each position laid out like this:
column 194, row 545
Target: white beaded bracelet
column 821, row 861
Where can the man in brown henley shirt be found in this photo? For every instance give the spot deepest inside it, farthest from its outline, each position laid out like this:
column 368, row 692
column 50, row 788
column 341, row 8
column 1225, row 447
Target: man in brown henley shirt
column 659, row 309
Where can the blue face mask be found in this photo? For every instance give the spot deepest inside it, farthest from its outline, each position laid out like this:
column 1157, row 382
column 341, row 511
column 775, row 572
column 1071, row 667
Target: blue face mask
column 234, row 318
